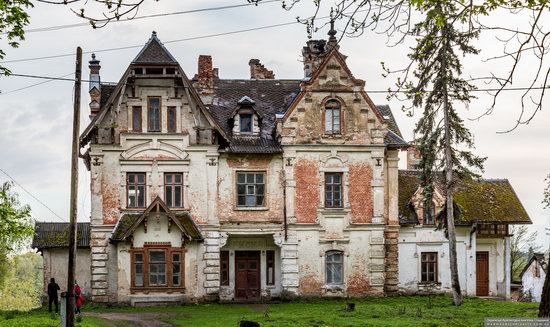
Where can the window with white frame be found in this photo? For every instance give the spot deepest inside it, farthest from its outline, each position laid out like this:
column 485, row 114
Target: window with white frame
column 334, row 267
column 250, row 189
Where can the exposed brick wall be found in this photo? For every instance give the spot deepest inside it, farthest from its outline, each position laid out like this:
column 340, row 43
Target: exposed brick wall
column 111, row 202
column 391, row 262
column 307, row 190
column 205, row 76
column 360, row 193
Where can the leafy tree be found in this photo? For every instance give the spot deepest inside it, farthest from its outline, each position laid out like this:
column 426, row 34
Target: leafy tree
column 16, row 226
column 24, row 283
column 13, row 18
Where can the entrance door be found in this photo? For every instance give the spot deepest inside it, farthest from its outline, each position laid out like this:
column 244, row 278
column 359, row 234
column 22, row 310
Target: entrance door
column 247, row 272
column 482, row 273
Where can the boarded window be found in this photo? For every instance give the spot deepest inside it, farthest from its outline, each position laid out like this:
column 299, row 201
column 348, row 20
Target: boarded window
column 334, row 267
column 250, row 189
column 333, row 190
column 270, row 267
column 428, row 269
column 224, row 268
column 154, row 114
column 136, row 119
column 173, row 190
column 245, row 123
column 135, row 190
column 171, row 121
column 332, row 117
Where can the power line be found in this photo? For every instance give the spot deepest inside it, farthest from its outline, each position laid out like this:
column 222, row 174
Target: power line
column 29, row 193
column 61, row 27
column 165, row 42
column 368, row 91
column 32, row 85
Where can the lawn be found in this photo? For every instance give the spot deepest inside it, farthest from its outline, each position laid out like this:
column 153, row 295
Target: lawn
column 390, row 311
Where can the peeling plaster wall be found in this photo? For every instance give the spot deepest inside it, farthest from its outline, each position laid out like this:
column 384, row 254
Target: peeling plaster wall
column 55, row 266
column 532, row 285
column 414, row 240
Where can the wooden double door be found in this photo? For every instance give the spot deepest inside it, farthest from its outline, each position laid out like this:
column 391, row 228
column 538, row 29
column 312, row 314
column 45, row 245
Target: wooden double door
column 482, row 273
column 247, row 275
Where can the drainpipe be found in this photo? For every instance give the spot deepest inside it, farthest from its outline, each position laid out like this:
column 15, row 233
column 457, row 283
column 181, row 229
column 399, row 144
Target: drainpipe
column 285, row 225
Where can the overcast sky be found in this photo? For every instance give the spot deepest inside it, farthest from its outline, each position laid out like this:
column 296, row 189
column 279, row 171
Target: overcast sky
column 35, row 132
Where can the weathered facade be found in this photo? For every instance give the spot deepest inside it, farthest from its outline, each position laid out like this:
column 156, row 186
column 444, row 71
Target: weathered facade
column 210, row 188
column 533, row 276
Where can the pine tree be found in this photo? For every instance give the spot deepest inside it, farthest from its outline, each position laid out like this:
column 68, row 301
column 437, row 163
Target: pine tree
column 444, row 142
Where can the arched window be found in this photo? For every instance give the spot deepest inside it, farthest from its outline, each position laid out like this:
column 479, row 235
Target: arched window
column 332, row 117
column 334, row 267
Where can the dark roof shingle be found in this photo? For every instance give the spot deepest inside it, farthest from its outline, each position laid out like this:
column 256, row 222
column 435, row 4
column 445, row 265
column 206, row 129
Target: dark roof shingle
column 56, row 235
column 154, row 52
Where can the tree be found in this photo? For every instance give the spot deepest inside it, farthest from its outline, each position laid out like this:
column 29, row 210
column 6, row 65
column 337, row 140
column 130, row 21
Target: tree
column 544, row 308
column 521, row 243
column 13, row 18
column 16, row 226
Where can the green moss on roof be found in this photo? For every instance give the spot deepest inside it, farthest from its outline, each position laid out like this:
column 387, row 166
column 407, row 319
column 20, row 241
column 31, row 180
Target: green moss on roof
column 477, row 200
column 56, row 235
column 125, row 222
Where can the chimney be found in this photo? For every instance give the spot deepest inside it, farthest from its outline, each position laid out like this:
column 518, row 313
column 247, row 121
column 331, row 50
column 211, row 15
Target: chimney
column 312, row 54
column 413, row 158
column 205, row 76
column 258, row 71
column 94, row 86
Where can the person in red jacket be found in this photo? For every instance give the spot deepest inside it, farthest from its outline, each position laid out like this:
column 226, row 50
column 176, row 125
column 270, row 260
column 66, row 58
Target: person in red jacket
column 79, row 299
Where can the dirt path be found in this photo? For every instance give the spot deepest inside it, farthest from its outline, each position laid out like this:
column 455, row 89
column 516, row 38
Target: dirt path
column 133, row 319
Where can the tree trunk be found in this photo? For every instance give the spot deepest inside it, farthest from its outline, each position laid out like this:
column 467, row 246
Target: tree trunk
column 544, row 308
column 455, row 283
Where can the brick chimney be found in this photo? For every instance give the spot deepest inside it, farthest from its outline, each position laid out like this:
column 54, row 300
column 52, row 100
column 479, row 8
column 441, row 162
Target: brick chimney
column 205, row 75
column 413, row 158
column 312, row 55
column 94, row 86
column 258, row 71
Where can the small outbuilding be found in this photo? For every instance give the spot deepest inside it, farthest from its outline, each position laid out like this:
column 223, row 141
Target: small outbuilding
column 533, row 276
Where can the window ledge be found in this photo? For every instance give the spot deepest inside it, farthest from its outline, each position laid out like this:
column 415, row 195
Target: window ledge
column 424, row 284
column 334, row 287
column 250, row 208
column 334, row 210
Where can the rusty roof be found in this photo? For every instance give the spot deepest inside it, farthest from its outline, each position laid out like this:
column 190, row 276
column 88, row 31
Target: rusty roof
column 484, row 201
column 56, row 235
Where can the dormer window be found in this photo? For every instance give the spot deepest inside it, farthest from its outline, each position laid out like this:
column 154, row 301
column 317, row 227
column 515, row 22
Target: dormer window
column 332, row 117
column 245, row 123
column 246, row 119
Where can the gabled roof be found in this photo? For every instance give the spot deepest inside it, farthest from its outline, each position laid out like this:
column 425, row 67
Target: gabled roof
column 539, row 258
column 49, row 235
column 483, row 201
column 154, row 52
column 129, row 222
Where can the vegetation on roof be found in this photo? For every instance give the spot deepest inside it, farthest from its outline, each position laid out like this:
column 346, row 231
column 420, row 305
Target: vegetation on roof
column 56, row 235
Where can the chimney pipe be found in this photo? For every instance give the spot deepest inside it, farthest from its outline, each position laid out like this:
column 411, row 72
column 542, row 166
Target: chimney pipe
column 94, row 86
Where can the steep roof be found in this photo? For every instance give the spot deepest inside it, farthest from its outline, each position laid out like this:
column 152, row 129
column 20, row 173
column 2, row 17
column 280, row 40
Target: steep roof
column 270, row 98
column 154, row 53
column 484, row 201
column 129, row 222
column 539, row 258
column 56, row 235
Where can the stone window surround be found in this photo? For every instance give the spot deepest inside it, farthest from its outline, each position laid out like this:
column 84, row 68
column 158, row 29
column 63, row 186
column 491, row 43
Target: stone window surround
column 140, row 166
column 333, row 246
column 345, row 188
column 431, row 247
column 169, row 251
column 265, row 207
column 255, row 122
column 342, row 116
column 436, row 272
column 165, row 102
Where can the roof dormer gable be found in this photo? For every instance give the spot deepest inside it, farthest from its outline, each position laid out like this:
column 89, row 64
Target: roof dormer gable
column 246, row 119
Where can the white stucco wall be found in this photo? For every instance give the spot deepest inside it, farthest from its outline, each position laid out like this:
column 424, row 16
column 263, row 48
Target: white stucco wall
column 55, row 265
column 533, row 285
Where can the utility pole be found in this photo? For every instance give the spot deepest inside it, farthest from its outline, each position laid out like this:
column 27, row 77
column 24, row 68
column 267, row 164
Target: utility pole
column 74, row 191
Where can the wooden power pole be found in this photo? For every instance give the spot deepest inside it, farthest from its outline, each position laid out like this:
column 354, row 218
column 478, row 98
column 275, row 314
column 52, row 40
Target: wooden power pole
column 74, row 191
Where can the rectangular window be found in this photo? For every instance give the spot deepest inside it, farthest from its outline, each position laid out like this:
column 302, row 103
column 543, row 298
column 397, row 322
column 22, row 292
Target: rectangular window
column 135, row 190
column 153, row 114
column 136, row 119
column 173, row 190
column 138, row 269
column 334, row 268
column 176, row 269
column 333, row 190
column 270, row 267
column 332, row 117
column 224, row 268
column 245, row 123
column 428, row 269
column 171, row 121
column 157, row 268
column 250, row 189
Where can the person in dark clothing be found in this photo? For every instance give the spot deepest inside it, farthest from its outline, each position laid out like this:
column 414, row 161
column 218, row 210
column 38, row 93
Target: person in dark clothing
column 52, row 295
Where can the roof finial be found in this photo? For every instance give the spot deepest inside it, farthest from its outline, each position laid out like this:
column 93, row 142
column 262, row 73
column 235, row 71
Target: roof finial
column 93, row 56
column 332, row 41
column 154, row 34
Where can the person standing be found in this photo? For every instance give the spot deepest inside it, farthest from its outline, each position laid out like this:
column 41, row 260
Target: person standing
column 52, row 295
column 78, row 297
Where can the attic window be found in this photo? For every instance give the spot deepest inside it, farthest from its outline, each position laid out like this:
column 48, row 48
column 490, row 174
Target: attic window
column 332, row 117
column 170, row 71
column 245, row 123
column 154, row 71
column 138, row 71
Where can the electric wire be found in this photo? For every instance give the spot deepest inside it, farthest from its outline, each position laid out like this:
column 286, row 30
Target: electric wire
column 32, row 195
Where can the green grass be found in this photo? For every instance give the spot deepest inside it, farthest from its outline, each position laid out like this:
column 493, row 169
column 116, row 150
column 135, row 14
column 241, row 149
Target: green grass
column 390, row 311
column 41, row 318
